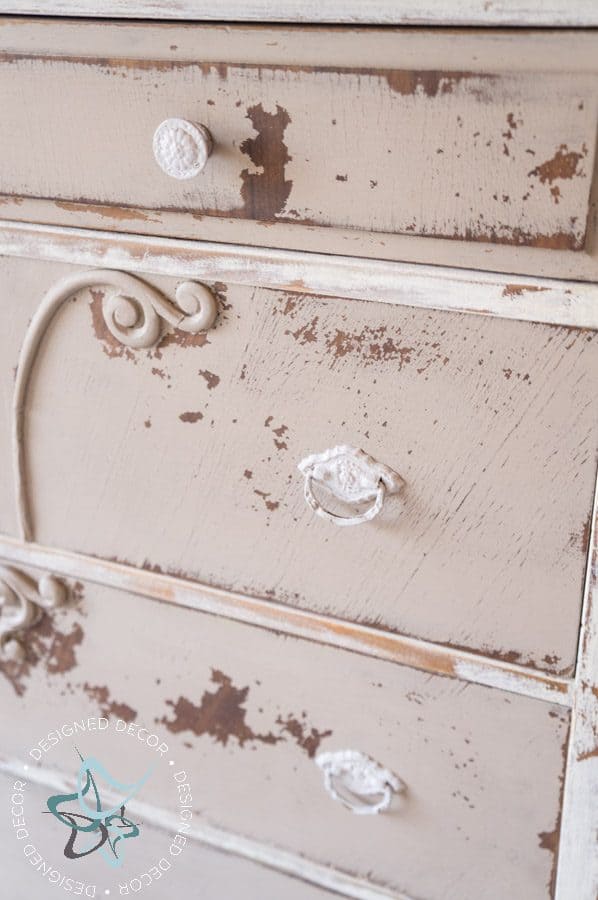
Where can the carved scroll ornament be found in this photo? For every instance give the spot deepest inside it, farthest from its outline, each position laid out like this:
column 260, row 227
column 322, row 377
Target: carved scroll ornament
column 22, row 604
column 134, row 312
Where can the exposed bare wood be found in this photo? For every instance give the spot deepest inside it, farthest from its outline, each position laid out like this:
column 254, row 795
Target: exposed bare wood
column 512, row 154
column 578, row 859
column 245, row 712
column 422, row 655
column 431, row 287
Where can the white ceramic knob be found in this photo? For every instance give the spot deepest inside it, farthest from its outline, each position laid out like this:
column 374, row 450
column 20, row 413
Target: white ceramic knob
column 181, row 148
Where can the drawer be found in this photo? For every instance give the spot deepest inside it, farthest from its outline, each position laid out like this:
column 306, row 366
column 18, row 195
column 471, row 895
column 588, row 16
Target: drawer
column 184, row 458
column 216, row 874
column 468, row 148
column 246, row 714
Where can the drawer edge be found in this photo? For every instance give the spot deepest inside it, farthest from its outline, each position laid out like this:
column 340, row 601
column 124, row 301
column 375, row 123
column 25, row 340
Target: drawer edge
column 426, row 656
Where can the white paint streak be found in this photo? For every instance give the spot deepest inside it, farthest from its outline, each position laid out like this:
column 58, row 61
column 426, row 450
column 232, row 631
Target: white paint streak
column 577, row 877
column 417, row 654
column 534, row 13
column 428, row 287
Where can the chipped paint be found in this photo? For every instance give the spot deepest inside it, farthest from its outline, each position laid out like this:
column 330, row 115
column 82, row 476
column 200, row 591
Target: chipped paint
column 108, row 707
column 564, row 165
column 210, row 378
column 265, row 193
column 222, row 714
column 191, row 417
column 308, row 738
column 48, row 647
column 371, row 345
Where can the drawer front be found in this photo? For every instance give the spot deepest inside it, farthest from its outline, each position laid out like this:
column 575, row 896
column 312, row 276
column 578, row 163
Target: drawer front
column 246, row 714
column 463, row 138
column 214, row 873
column 184, row 458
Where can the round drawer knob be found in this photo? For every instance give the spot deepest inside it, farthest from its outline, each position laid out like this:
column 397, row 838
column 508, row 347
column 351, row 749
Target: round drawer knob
column 181, row 148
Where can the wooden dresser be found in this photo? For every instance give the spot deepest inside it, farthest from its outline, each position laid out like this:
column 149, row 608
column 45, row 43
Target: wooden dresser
column 265, row 271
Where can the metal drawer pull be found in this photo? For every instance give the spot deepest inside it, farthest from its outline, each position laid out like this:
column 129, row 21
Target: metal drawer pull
column 182, row 148
column 349, row 475
column 356, row 781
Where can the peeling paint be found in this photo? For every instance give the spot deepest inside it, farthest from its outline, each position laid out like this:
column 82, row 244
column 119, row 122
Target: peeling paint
column 308, row 738
column 101, row 695
column 563, row 165
column 211, row 380
column 266, row 193
column 222, row 715
column 46, row 646
column 191, row 416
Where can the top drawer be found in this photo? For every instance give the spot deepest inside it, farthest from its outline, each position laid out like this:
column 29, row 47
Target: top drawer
column 462, row 147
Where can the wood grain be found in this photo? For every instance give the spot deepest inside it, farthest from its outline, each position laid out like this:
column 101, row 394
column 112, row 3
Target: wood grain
column 523, row 13
column 428, row 287
column 323, row 144
column 244, row 712
column 491, row 423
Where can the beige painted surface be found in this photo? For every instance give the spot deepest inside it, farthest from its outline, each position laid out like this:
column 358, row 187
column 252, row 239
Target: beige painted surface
column 244, row 711
column 209, row 874
column 184, row 458
column 446, row 147
column 404, row 12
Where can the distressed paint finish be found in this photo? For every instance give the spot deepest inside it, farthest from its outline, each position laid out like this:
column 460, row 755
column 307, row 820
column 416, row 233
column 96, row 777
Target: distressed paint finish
column 256, row 869
column 423, row 655
column 510, row 154
column 429, row 287
column 245, row 711
column 216, row 874
column 131, row 313
column 578, row 867
column 530, row 13
column 483, row 418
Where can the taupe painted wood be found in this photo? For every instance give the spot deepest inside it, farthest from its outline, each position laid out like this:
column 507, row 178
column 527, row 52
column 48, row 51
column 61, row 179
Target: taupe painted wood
column 578, row 868
column 244, row 712
column 388, row 12
column 213, row 874
column 393, row 647
column 194, row 446
column 430, row 287
column 312, row 138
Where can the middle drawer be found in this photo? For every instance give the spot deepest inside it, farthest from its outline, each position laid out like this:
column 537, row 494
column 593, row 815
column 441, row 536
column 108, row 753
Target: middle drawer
column 184, row 458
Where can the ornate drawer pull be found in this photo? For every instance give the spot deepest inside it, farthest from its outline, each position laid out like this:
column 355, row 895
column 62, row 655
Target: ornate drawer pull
column 182, row 148
column 356, row 781
column 349, row 475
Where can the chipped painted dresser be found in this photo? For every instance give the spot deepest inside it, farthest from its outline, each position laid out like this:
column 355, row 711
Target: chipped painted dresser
column 265, row 271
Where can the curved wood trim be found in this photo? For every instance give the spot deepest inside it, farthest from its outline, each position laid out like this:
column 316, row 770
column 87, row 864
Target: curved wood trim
column 133, row 313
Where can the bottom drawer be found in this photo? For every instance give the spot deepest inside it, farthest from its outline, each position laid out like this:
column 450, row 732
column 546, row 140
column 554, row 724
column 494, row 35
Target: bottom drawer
column 245, row 713
column 211, row 874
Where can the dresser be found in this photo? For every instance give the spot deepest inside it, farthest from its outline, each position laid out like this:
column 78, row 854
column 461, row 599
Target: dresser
column 298, row 449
